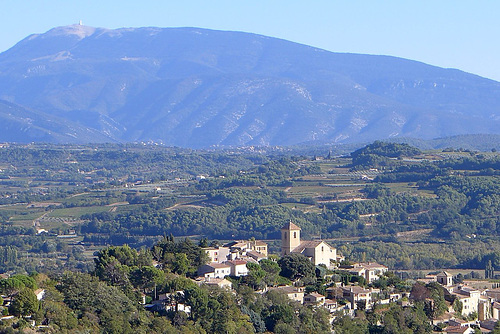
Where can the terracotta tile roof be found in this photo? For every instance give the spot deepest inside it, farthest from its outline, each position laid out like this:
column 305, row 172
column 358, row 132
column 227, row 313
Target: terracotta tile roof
column 260, row 243
column 371, row 265
column 456, row 329
column 468, row 289
column 256, row 254
column 290, row 226
column 235, row 243
column 236, row 262
column 355, row 289
column 218, row 265
column 217, row 281
column 306, row 244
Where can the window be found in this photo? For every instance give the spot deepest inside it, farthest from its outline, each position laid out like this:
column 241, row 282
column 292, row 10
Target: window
column 295, row 235
column 285, row 236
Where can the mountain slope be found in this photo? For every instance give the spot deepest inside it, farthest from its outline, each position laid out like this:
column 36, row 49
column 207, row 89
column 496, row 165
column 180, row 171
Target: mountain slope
column 196, row 88
column 18, row 124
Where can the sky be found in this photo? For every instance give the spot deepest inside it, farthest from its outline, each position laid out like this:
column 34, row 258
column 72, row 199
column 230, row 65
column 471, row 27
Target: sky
column 447, row 33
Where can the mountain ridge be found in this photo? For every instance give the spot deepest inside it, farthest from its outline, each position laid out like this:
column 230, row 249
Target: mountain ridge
column 194, row 87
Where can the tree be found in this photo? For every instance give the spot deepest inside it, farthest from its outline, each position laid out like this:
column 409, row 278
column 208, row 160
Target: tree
column 181, row 264
column 98, row 303
column 24, row 303
column 147, row 277
column 489, row 271
column 124, row 255
column 295, row 266
column 255, row 276
column 271, row 269
column 439, row 304
column 197, row 298
column 344, row 324
column 419, row 292
column 457, row 306
column 281, row 313
column 11, row 285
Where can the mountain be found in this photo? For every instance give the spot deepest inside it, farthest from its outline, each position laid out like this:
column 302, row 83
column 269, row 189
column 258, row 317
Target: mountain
column 18, row 124
column 193, row 87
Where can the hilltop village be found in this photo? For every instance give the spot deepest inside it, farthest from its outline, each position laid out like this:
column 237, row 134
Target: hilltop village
column 310, row 274
column 466, row 309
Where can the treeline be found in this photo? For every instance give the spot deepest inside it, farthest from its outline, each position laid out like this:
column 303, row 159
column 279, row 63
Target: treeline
column 112, row 162
column 469, row 254
column 276, row 173
column 381, row 154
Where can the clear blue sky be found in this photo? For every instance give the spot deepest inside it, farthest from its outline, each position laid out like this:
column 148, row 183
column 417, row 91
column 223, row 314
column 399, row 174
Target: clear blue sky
column 447, row 33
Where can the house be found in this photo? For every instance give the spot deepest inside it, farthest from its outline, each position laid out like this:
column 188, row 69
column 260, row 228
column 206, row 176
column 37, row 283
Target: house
column 314, row 299
column 170, row 302
column 219, row 282
column 241, row 249
column 458, row 330
column 318, row 251
column 237, row 267
column 214, row 270
column 471, row 299
column 331, row 305
column 488, row 325
column 358, row 271
column 493, row 294
column 256, row 256
column 334, row 292
column 294, row 293
column 371, row 271
column 356, row 295
column 460, row 322
column 445, row 278
column 428, row 279
column 217, row 254
column 258, row 246
column 237, row 249
column 39, row 293
column 495, row 310
column 484, row 311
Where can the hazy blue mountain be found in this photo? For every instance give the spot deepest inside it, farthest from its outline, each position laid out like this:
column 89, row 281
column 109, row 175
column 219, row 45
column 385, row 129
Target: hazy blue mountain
column 195, row 88
column 18, row 124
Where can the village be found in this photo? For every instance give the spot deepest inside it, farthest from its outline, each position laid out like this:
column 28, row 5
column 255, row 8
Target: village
column 468, row 308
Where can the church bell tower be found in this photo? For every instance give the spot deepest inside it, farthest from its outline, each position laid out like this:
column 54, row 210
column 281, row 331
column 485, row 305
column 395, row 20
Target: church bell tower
column 290, row 238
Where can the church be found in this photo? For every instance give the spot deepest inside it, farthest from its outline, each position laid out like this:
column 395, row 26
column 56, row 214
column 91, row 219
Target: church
column 318, row 251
